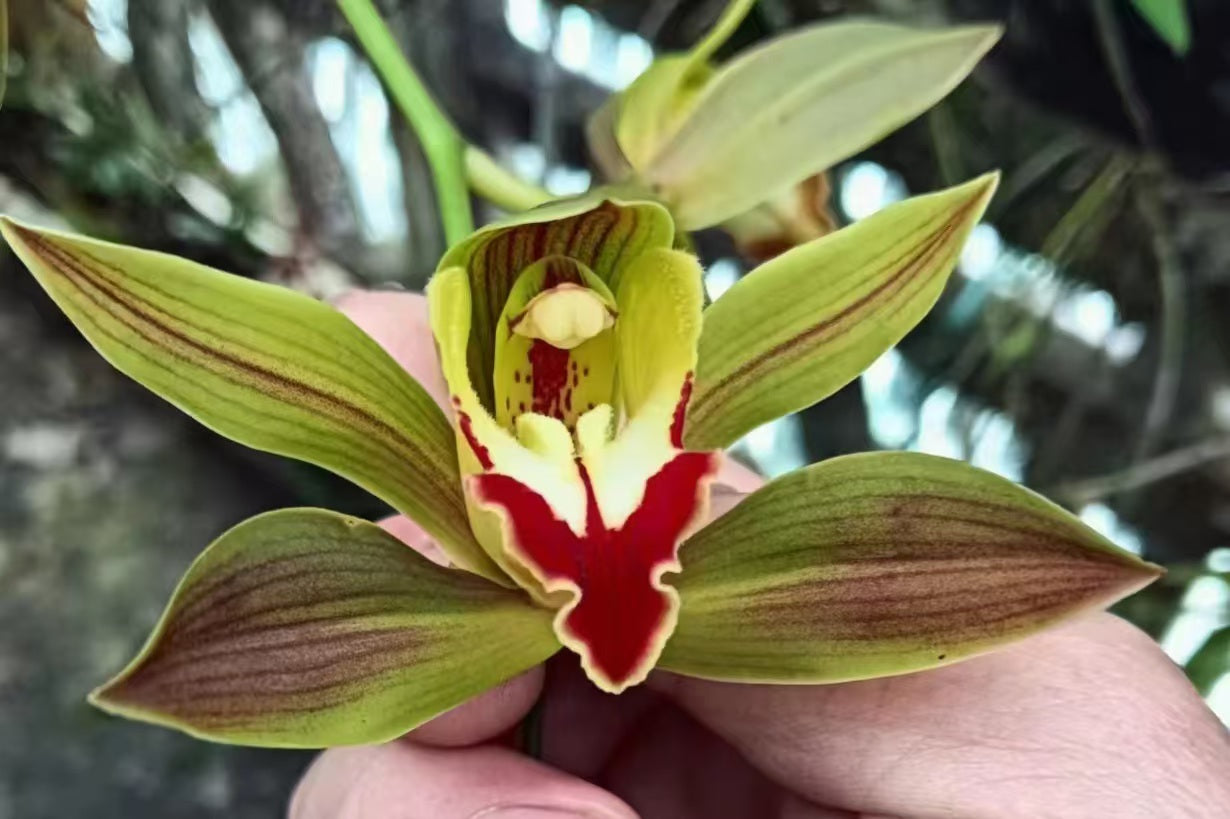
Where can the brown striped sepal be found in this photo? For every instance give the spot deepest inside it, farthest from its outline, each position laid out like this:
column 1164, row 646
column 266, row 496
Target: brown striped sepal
column 883, row 563
column 265, row 366
column 799, row 327
column 601, row 230
column 306, row 628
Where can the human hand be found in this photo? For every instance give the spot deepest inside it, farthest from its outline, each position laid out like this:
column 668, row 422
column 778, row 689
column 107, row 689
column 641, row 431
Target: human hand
column 1086, row 720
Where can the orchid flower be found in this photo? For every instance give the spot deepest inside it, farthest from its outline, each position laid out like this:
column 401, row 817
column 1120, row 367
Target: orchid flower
column 592, row 395
column 747, row 145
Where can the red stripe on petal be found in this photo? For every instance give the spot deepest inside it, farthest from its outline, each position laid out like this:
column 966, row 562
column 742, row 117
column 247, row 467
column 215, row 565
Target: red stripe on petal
column 681, row 411
column 617, row 618
column 467, row 430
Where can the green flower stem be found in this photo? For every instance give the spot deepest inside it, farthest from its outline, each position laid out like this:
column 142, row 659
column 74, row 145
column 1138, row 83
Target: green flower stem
column 726, row 25
column 498, row 185
column 443, row 146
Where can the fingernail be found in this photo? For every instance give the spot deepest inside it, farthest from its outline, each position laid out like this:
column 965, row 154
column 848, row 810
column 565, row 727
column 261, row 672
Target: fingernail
column 535, row 812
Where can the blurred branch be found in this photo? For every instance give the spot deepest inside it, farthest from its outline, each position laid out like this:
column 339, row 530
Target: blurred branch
column 164, row 66
column 264, row 46
column 1111, row 40
column 1089, row 215
column 1080, row 492
column 1173, row 297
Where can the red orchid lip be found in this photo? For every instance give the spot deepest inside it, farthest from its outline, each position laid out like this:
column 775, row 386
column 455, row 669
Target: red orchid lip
column 621, row 613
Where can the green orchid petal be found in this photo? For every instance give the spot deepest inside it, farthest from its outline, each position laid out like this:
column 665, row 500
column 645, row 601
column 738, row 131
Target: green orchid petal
column 305, row 628
column 802, row 325
column 801, row 103
column 602, row 230
column 658, row 333
column 268, row 367
column 878, row 564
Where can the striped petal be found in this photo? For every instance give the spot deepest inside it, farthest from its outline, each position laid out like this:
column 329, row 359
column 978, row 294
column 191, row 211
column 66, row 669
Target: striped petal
column 799, row 327
column 266, row 366
column 879, row 564
column 305, row 628
column 600, row 230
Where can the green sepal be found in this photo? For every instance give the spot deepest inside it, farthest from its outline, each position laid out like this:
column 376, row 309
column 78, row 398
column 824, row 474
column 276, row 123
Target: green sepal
column 883, row 563
column 802, row 325
column 265, row 366
column 306, row 628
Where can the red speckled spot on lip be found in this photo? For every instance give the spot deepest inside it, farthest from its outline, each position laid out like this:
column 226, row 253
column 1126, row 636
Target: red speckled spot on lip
column 549, row 366
column 619, row 613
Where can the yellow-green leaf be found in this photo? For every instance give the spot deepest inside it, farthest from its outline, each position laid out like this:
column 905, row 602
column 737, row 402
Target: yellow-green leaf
column 1169, row 19
column 884, row 563
column 802, row 325
column 268, row 367
column 305, row 628
column 801, row 103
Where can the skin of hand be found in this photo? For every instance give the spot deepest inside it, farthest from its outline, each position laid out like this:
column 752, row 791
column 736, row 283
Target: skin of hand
column 1087, row 720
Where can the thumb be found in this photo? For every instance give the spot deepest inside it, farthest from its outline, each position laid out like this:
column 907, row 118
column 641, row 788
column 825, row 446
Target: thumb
column 402, row 780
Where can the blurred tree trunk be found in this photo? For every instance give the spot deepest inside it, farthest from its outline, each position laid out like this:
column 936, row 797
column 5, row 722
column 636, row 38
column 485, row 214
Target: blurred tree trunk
column 272, row 57
column 164, row 66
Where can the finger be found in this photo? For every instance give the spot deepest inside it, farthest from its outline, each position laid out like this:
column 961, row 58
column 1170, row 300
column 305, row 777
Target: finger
column 399, row 323
column 669, row 765
column 583, row 726
column 405, row 781
column 737, row 477
column 1087, row 720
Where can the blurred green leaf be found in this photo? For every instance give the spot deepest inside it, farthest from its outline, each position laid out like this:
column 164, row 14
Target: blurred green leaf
column 4, row 48
column 1211, row 662
column 800, row 103
column 1169, row 19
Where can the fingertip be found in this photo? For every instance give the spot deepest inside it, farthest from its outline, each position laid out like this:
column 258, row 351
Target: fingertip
column 399, row 322
column 484, row 717
column 411, row 534
column 411, row 781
